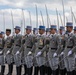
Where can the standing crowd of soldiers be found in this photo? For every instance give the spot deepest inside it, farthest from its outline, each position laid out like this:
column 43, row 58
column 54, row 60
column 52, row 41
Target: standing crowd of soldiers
column 46, row 51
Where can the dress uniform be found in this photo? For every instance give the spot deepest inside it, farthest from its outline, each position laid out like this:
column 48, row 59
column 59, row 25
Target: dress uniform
column 8, row 51
column 69, row 45
column 62, row 65
column 75, row 30
column 48, row 69
column 36, row 67
column 39, row 54
column 2, row 58
column 17, row 50
column 74, row 49
column 28, row 53
column 54, row 46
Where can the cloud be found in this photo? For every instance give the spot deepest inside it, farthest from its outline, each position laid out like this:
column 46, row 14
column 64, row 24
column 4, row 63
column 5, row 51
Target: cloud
column 29, row 5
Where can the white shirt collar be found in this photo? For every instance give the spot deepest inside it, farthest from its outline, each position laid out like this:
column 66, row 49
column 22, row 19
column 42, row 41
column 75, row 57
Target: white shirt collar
column 29, row 34
column 43, row 34
column 70, row 32
column 53, row 34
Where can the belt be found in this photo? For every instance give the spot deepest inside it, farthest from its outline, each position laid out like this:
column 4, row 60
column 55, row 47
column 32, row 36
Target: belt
column 40, row 48
column 69, row 46
column 8, row 47
column 1, row 48
column 18, row 45
column 29, row 47
column 53, row 48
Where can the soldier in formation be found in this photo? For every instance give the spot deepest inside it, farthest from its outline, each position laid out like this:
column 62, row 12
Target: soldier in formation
column 45, row 51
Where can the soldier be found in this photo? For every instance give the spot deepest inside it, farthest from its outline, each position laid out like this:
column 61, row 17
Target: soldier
column 28, row 53
column 2, row 60
column 48, row 69
column 39, row 54
column 36, row 67
column 54, row 48
column 35, row 31
column 68, row 52
column 8, row 51
column 47, row 31
column 62, row 65
column 17, row 50
column 75, row 30
column 75, row 49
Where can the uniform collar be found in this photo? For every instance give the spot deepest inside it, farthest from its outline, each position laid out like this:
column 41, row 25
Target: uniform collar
column 53, row 34
column 43, row 34
column 8, row 36
column 28, row 34
column 70, row 33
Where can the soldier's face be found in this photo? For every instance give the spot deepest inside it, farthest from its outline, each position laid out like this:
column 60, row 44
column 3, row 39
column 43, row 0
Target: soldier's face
column 28, row 31
column 69, row 29
column 41, row 31
column 8, row 33
column 53, row 31
column 17, row 31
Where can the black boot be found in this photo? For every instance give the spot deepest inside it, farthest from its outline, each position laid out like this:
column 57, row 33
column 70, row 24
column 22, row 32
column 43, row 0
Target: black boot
column 29, row 71
column 69, row 73
column 73, row 72
column 25, row 70
column 2, row 70
column 18, row 70
column 10, row 67
column 55, row 72
column 63, row 72
column 36, row 70
column 49, row 71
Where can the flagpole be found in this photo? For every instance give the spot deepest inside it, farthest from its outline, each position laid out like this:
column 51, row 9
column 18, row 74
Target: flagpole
column 30, row 18
column 63, row 13
column 57, row 18
column 12, row 21
column 61, row 19
column 4, row 21
column 42, row 18
column 36, row 16
column 23, row 16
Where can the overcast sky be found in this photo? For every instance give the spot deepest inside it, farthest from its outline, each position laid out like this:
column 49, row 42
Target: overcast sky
column 6, row 6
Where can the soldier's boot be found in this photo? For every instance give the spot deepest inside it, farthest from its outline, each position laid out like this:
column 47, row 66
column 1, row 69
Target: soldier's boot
column 63, row 72
column 69, row 73
column 42, row 69
column 10, row 67
column 18, row 69
column 2, row 70
column 36, row 70
column 29, row 71
column 73, row 72
column 55, row 72
column 49, row 71
column 25, row 70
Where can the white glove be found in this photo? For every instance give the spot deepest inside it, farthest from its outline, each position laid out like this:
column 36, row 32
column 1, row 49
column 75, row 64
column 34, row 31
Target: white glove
column 29, row 53
column 55, row 54
column 8, row 52
column 62, row 53
column 17, row 52
column 39, row 53
column 0, row 52
column 69, row 53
